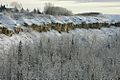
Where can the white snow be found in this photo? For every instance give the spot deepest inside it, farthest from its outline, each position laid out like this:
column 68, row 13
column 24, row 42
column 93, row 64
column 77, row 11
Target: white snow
column 10, row 20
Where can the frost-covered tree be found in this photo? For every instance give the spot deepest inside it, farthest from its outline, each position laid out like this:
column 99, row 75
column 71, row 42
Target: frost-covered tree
column 80, row 55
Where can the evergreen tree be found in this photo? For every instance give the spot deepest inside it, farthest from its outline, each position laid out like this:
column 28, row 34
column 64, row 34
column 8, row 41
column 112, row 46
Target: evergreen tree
column 19, row 72
column 38, row 11
column 16, row 10
column 27, row 10
column 2, row 8
column 20, row 53
column 22, row 10
column 34, row 10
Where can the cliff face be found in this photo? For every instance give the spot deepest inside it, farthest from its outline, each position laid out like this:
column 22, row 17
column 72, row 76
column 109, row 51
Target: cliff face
column 80, row 55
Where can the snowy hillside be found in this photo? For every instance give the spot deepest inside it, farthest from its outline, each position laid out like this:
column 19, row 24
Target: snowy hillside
column 11, row 20
column 79, row 54
column 59, row 47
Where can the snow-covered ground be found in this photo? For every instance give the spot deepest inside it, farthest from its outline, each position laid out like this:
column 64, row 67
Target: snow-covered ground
column 10, row 20
column 79, row 54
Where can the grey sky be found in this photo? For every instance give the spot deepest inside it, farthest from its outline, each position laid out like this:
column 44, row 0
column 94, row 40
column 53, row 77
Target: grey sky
column 88, row 0
column 77, row 6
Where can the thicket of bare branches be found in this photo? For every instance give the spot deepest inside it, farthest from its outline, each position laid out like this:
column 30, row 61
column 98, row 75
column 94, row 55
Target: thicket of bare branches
column 54, row 10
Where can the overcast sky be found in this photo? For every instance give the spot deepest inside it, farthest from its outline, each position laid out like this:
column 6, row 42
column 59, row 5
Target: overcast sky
column 77, row 6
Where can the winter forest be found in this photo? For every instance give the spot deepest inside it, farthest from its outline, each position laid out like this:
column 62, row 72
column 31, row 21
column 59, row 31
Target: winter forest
column 56, row 44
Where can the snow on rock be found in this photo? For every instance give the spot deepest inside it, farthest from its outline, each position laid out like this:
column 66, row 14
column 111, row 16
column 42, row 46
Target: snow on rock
column 10, row 20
